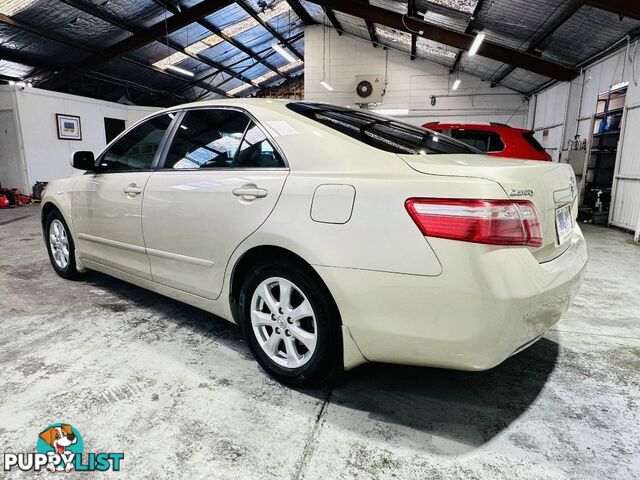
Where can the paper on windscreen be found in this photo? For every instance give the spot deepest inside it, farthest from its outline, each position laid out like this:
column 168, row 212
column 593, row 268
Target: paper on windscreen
column 281, row 128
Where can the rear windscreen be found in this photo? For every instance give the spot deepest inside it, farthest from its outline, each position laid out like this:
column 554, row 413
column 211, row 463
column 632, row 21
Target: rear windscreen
column 531, row 140
column 379, row 131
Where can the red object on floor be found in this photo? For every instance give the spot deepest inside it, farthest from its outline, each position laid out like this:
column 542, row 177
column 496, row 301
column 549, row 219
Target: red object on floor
column 4, row 202
column 24, row 199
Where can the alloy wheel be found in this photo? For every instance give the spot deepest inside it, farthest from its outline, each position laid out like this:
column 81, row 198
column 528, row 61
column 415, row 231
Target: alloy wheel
column 59, row 243
column 283, row 322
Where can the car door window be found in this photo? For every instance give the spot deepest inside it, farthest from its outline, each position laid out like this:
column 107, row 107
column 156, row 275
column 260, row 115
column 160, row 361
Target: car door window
column 207, row 138
column 256, row 151
column 136, row 149
column 484, row 141
column 479, row 140
column 495, row 143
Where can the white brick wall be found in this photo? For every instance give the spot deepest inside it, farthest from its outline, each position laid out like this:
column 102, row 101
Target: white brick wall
column 410, row 83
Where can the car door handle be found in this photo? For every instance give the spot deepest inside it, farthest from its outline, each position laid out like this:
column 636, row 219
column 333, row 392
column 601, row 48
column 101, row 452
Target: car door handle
column 250, row 193
column 132, row 190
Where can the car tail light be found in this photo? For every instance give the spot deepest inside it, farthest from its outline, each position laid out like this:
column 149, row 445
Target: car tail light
column 497, row 222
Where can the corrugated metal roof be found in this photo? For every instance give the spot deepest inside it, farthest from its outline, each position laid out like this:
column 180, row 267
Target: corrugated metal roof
column 27, row 43
column 523, row 80
column 481, row 67
column 70, row 22
column 435, row 52
column 512, row 23
column 442, row 17
column 142, row 13
column 585, row 34
column 461, row 5
column 352, row 25
column 398, row 6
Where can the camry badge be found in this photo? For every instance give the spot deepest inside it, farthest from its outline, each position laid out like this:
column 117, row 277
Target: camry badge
column 523, row 192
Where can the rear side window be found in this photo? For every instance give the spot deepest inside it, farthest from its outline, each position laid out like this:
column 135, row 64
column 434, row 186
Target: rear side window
column 256, row 151
column 531, row 140
column 207, row 138
column 378, row 131
column 483, row 141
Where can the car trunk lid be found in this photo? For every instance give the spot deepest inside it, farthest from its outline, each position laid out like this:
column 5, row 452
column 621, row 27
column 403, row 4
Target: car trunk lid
column 550, row 186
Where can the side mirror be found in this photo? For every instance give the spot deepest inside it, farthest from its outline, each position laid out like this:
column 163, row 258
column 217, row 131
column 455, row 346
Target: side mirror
column 83, row 161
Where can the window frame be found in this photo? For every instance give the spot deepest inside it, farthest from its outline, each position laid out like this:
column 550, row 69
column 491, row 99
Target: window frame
column 157, row 154
column 160, row 166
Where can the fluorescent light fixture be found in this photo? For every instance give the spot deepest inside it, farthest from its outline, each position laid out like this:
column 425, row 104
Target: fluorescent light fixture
column 392, row 111
column 179, row 70
column 476, row 43
column 456, row 84
column 326, row 85
column 283, row 52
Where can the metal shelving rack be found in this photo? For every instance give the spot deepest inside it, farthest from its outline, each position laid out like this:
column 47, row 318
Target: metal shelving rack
column 604, row 147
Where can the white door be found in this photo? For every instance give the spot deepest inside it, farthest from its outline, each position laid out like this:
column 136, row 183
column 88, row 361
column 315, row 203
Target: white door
column 625, row 197
column 107, row 204
column 221, row 179
column 12, row 173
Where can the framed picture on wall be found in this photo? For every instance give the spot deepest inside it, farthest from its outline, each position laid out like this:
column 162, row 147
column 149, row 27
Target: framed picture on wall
column 68, row 127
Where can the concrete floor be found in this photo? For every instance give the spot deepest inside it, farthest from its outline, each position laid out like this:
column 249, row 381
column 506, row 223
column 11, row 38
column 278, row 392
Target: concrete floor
column 177, row 391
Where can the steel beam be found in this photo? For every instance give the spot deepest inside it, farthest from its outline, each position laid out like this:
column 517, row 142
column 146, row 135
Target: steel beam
column 468, row 30
column 332, row 18
column 301, row 12
column 372, row 33
column 411, row 11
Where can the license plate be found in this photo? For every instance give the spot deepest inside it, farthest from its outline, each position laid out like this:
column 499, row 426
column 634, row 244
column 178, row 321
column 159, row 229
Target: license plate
column 564, row 224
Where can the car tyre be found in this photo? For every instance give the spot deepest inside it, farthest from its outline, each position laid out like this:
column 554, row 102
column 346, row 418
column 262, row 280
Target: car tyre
column 290, row 323
column 60, row 246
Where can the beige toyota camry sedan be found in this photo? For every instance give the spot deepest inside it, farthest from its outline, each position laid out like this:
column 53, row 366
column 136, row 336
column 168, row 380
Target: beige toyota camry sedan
column 332, row 236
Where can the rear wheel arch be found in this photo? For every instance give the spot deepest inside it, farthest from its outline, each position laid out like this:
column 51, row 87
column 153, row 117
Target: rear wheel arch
column 268, row 263
column 256, row 255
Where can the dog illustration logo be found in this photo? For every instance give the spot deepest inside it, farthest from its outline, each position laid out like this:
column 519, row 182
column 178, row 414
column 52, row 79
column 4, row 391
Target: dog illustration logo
column 60, row 448
column 61, row 442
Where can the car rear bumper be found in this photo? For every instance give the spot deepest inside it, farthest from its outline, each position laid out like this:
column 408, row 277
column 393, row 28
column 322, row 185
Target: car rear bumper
column 488, row 304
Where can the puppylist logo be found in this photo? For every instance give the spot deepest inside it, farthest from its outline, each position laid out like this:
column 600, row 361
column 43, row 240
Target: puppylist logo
column 60, row 448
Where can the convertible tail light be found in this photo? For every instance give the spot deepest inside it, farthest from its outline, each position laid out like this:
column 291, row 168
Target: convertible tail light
column 497, row 222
